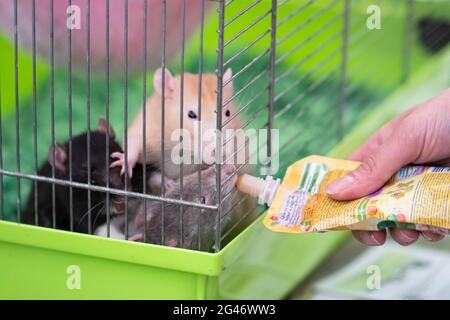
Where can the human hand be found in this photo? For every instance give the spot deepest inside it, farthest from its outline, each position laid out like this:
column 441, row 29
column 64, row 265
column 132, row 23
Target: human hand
column 419, row 135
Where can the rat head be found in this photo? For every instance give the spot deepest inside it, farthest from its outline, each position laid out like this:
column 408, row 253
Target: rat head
column 58, row 157
column 198, row 123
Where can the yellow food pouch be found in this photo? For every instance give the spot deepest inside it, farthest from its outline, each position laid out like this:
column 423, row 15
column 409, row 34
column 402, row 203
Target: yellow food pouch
column 416, row 197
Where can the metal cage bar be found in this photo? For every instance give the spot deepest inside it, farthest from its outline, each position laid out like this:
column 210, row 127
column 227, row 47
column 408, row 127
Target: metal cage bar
column 16, row 83
column 144, row 119
column 107, row 115
column 220, row 85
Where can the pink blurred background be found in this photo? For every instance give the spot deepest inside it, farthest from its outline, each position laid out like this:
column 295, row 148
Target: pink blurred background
column 98, row 30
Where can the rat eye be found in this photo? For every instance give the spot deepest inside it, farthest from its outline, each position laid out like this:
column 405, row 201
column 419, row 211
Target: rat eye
column 227, row 113
column 203, row 200
column 192, row 115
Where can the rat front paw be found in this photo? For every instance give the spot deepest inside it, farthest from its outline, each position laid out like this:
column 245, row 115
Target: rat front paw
column 137, row 237
column 120, row 162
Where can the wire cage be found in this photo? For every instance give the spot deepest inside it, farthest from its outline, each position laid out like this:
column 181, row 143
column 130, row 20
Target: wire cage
column 300, row 72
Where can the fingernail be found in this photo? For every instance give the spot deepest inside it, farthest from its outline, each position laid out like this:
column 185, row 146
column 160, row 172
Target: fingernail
column 406, row 236
column 368, row 238
column 427, row 236
column 430, row 236
column 374, row 240
column 340, row 184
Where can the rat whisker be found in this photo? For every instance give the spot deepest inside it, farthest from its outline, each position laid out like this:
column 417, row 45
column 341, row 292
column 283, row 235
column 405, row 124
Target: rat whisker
column 99, row 213
column 89, row 210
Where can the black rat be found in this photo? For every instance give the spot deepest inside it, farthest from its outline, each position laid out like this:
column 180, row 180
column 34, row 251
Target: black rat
column 58, row 158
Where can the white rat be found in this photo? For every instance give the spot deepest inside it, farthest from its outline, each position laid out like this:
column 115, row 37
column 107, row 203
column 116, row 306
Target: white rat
column 172, row 108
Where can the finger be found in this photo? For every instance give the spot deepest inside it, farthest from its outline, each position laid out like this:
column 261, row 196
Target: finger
column 431, row 236
column 398, row 149
column 405, row 237
column 370, row 238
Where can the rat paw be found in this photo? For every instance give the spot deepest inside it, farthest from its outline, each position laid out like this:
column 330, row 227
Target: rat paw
column 137, row 237
column 120, row 162
column 141, row 216
column 155, row 183
column 169, row 184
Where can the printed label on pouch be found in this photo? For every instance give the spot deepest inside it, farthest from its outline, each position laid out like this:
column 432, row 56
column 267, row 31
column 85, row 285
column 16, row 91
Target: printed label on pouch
column 290, row 214
column 312, row 176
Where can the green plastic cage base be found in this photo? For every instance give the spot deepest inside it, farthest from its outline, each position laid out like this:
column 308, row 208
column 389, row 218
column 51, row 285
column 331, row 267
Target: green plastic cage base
column 257, row 264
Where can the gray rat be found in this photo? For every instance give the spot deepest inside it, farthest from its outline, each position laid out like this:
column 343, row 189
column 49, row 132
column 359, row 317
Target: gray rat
column 198, row 225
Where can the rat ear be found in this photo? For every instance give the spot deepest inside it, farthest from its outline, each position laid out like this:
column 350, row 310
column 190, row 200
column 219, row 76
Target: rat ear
column 57, row 156
column 227, row 75
column 169, row 82
column 228, row 83
column 106, row 128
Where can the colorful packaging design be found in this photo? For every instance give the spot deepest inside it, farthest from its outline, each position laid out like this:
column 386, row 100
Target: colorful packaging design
column 416, row 197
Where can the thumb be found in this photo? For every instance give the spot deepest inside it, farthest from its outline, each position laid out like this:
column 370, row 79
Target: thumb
column 377, row 167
